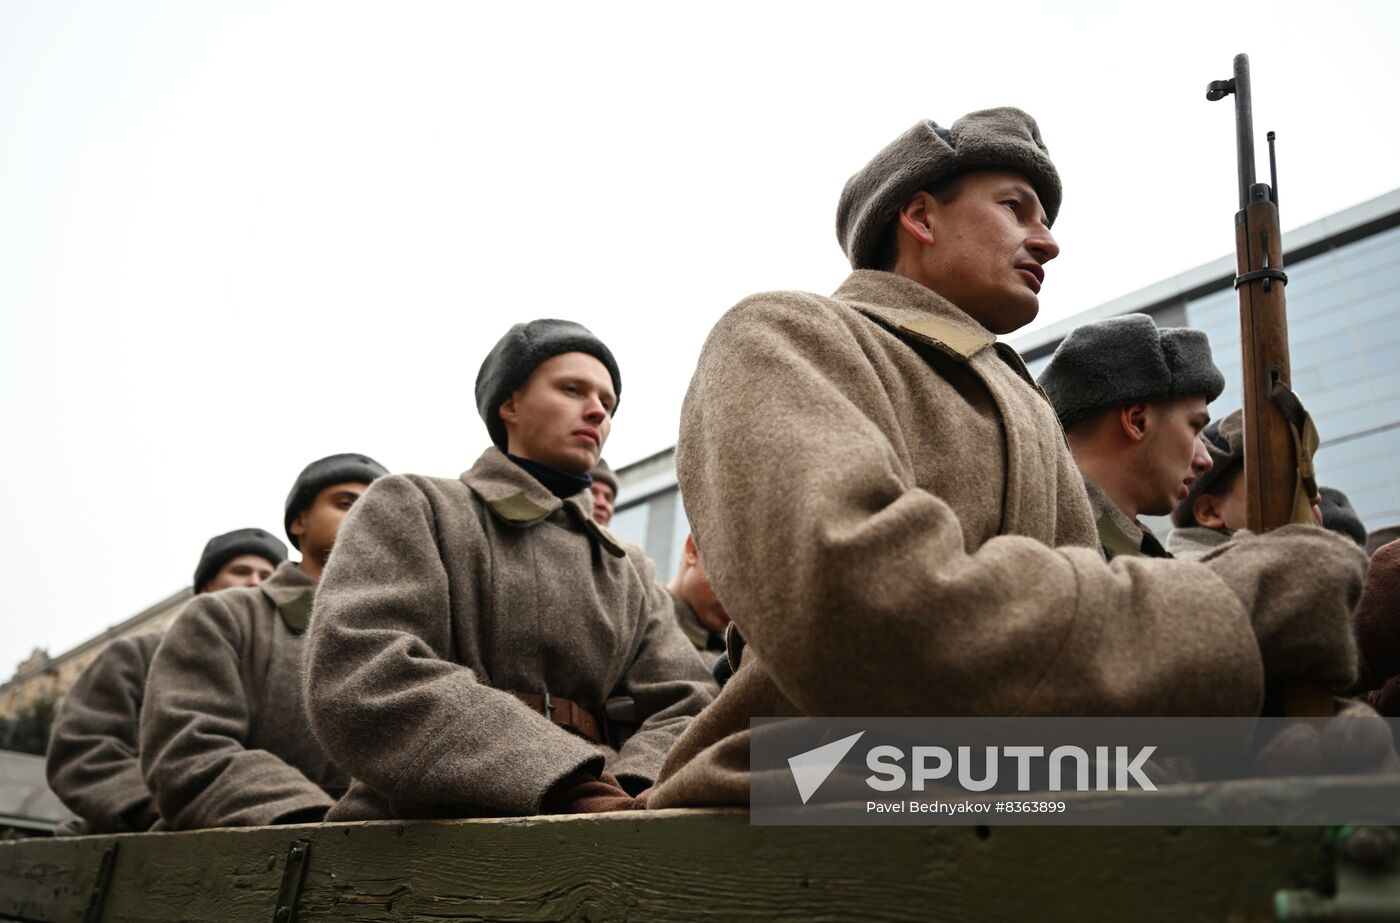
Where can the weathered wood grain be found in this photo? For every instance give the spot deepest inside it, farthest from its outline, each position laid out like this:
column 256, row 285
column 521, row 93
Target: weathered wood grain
column 669, row 865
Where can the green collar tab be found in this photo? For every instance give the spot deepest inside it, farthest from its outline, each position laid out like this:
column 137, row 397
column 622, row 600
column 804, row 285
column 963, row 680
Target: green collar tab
column 518, row 509
column 1114, row 540
column 297, row 613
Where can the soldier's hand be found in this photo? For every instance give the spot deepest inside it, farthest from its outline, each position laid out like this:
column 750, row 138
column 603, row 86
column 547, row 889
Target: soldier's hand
column 580, row 793
column 1299, row 585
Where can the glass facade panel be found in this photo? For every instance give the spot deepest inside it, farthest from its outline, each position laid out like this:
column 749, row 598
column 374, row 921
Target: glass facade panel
column 1344, row 332
column 630, row 524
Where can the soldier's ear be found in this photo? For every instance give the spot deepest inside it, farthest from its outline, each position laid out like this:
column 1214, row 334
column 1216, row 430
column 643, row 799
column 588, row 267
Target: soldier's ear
column 510, row 414
column 918, row 217
column 299, row 524
column 1132, row 418
column 690, row 552
column 1206, row 509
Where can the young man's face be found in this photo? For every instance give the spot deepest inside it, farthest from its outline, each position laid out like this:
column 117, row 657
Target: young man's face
column 1173, row 454
column 698, row 592
column 316, row 526
column 244, row 570
column 602, row 502
column 562, row 415
column 1225, row 512
column 989, row 245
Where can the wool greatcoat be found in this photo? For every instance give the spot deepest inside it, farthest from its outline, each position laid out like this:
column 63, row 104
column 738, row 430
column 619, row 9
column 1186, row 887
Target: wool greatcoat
column 888, row 508
column 445, row 596
column 225, row 740
column 1191, row 543
column 92, row 765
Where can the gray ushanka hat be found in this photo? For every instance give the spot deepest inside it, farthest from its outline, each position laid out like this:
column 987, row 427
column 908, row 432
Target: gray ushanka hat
column 928, row 155
column 1340, row 516
column 1125, row 359
column 348, row 468
column 224, row 548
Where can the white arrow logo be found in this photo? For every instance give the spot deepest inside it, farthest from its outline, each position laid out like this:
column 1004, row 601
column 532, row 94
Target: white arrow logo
column 810, row 769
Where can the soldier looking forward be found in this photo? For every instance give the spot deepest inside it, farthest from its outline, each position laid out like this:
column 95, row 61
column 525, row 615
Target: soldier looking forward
column 224, row 736
column 469, row 631
column 92, row 760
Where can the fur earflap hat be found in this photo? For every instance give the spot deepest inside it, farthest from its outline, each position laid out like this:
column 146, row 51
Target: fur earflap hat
column 604, row 474
column 222, row 549
column 927, row 156
column 1340, row 516
column 1224, row 439
column 519, row 353
column 1126, row 359
column 317, row 476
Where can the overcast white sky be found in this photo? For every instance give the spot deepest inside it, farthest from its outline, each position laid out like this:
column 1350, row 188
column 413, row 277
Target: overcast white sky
column 236, row 237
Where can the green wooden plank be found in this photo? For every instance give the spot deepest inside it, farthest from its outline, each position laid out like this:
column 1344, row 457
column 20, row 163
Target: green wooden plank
column 670, row 865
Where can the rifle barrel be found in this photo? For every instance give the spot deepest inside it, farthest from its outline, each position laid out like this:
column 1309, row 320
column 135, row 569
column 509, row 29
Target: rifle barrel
column 1244, row 127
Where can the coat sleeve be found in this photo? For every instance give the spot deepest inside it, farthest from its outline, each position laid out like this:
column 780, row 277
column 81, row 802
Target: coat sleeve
column 669, row 682
column 854, row 585
column 386, row 698
column 92, row 764
column 1377, row 619
column 194, row 731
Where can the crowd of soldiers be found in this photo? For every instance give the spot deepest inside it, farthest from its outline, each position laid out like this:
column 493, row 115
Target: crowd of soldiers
column 899, row 519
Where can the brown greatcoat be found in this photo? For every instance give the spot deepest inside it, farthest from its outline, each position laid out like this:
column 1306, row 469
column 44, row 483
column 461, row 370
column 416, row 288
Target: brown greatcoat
column 443, row 594
column 225, row 740
column 889, row 511
column 1377, row 620
column 92, row 764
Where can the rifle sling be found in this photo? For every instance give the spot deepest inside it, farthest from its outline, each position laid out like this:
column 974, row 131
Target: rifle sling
column 1305, row 443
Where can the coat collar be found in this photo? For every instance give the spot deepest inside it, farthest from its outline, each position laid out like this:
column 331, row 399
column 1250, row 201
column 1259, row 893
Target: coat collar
column 1118, row 533
column 291, row 590
column 918, row 312
column 514, row 497
column 693, row 629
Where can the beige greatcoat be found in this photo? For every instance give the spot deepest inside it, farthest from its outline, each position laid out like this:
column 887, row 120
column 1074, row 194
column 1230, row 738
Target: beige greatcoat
column 443, row 594
column 889, row 511
column 225, row 740
column 1191, row 543
column 92, row 764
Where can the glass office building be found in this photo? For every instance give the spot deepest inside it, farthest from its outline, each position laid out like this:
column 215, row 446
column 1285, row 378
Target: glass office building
column 1344, row 336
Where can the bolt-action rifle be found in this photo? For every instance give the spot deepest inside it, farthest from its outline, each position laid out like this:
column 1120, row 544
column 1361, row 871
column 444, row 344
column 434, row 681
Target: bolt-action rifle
column 1279, row 437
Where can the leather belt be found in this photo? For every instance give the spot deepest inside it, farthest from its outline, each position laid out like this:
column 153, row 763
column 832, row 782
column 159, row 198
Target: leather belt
column 565, row 713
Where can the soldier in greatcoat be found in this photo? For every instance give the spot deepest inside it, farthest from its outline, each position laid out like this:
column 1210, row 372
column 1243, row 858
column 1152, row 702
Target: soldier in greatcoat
column 469, row 632
column 891, row 515
column 698, row 610
column 1214, row 509
column 224, row 736
column 1132, row 399
column 604, row 490
column 92, row 760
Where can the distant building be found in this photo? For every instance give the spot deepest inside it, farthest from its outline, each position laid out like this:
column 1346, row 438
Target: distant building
column 1344, row 336
column 42, row 677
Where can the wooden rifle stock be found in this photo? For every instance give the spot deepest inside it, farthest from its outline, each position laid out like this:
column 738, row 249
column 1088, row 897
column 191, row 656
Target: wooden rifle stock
column 1271, row 453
